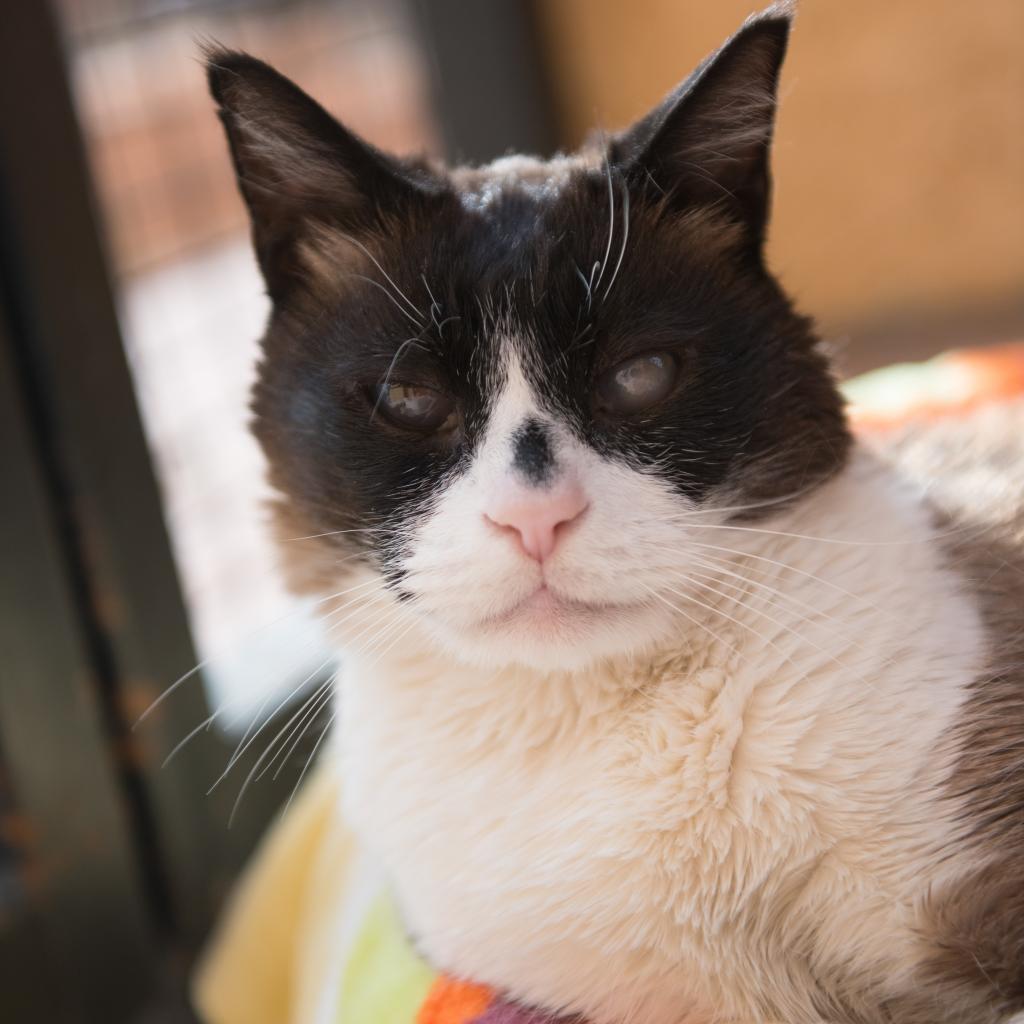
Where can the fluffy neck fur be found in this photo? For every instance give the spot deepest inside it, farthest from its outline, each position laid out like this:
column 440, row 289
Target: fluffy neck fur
column 655, row 839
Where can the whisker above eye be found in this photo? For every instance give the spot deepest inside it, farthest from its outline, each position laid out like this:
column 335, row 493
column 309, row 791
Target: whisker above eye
column 376, row 284
column 586, row 284
column 408, row 343
column 366, row 252
column 625, row 238
column 611, row 223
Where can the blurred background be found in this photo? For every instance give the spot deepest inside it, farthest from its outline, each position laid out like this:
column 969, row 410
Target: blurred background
column 132, row 544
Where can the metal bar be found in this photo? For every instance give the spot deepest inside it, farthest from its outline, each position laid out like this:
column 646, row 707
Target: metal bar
column 66, row 332
column 74, row 905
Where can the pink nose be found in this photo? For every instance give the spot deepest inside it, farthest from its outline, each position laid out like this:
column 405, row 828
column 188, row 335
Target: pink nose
column 535, row 515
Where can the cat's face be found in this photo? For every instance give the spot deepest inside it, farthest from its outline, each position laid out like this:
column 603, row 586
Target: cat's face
column 512, row 391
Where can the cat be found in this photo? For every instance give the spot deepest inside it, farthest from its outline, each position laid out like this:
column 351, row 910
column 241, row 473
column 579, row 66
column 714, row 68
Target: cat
column 664, row 699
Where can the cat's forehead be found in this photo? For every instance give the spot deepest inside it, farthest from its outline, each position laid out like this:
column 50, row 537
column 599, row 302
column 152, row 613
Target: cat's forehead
column 481, row 189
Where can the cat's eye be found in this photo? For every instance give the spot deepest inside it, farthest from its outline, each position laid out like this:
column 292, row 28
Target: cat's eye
column 414, row 407
column 637, row 384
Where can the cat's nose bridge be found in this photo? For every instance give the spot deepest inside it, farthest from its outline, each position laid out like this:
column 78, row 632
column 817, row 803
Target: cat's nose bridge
column 533, row 454
column 536, row 517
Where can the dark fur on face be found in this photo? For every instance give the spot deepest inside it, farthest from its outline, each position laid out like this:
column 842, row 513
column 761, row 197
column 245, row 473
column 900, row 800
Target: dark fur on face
column 387, row 270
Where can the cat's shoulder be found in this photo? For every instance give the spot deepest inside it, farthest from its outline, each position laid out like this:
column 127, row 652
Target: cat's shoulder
column 971, row 470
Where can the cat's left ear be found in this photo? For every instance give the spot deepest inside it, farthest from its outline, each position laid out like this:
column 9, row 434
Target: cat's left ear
column 707, row 143
column 299, row 170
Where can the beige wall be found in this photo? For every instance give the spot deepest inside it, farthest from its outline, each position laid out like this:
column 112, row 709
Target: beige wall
column 899, row 161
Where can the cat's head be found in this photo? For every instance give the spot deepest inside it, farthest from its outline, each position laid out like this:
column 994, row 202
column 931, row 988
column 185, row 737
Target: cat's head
column 511, row 391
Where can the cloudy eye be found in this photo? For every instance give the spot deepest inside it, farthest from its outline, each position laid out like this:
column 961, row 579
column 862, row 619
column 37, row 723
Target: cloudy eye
column 416, row 408
column 638, row 383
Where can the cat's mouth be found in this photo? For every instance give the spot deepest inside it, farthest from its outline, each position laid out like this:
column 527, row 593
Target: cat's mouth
column 545, row 607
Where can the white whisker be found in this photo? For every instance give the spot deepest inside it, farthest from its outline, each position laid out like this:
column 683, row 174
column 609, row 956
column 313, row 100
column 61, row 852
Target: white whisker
column 359, row 245
column 332, row 533
column 309, row 761
column 243, row 747
column 391, row 368
column 625, row 238
column 757, row 611
column 376, row 284
column 300, row 729
column 259, row 761
column 700, row 625
column 611, row 223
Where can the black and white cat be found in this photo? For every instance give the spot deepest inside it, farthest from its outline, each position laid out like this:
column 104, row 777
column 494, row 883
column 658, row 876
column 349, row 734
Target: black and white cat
column 665, row 701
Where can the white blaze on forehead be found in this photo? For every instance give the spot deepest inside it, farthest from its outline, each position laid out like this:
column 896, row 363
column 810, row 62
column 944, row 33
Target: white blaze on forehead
column 517, row 400
column 462, row 571
column 515, row 404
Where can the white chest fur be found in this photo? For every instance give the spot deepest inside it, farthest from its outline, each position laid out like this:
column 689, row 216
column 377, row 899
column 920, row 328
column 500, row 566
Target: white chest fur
column 719, row 825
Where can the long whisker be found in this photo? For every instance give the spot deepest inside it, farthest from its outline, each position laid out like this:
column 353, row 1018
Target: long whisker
column 700, row 625
column 305, row 767
column 259, row 762
column 333, row 533
column 192, row 734
column 366, row 252
column 376, row 284
column 788, row 568
column 245, row 743
column 761, row 636
column 802, row 536
column 243, row 747
column 741, row 590
column 327, row 729
column 298, row 731
column 391, row 369
column 625, row 238
column 721, row 566
column 753, row 506
column 611, row 223
column 197, row 668
column 258, row 717
column 389, row 613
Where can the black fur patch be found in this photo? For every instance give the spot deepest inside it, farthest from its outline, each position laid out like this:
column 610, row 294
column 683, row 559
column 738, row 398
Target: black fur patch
column 532, row 456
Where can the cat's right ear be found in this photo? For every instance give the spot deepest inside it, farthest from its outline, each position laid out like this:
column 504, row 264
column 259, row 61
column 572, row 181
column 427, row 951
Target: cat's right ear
column 298, row 169
column 707, row 143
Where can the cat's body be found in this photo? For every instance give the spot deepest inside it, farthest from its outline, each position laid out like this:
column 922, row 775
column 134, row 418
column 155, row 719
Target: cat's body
column 763, row 820
column 664, row 701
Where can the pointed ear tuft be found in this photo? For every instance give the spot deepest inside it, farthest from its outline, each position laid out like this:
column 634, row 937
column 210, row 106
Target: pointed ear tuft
column 708, row 142
column 298, row 168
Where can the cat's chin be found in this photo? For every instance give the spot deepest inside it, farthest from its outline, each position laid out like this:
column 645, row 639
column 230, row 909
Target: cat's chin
column 548, row 632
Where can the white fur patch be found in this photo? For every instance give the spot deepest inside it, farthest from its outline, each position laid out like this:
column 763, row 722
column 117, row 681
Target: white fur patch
column 745, row 769
column 463, row 574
